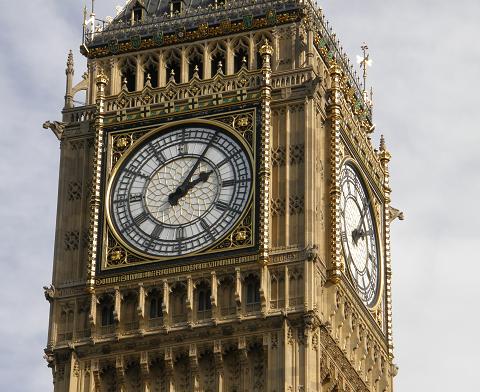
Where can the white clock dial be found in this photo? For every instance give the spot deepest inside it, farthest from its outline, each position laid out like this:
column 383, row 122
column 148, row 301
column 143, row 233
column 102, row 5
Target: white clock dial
column 180, row 191
column 359, row 238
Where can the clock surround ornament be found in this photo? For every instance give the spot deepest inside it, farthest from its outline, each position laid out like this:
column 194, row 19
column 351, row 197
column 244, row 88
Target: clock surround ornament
column 180, row 189
column 359, row 236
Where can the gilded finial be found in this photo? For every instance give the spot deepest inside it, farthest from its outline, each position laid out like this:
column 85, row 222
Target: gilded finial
column 148, row 83
column 365, row 61
column 266, row 48
column 244, row 62
column 172, row 75
column 196, row 72
column 382, row 143
column 384, row 154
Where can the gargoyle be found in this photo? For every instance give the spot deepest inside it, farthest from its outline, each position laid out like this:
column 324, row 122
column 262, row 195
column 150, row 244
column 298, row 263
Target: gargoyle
column 57, row 128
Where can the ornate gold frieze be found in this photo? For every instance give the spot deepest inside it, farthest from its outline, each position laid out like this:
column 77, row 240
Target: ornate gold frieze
column 203, row 31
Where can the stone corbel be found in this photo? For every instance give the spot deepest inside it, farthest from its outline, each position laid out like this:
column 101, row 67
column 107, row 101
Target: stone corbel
column 141, row 302
column 238, row 288
column 213, row 297
column 120, row 371
column 144, row 365
column 95, row 368
column 117, row 305
column 92, row 317
column 193, row 362
column 263, row 289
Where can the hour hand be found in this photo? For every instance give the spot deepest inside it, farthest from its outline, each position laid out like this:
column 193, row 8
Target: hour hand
column 183, row 189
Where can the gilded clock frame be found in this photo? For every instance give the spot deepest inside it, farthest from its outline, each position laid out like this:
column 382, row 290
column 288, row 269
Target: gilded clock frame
column 246, row 223
column 377, row 221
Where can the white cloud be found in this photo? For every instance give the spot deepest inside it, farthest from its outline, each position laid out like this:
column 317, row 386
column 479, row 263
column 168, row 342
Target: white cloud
column 426, row 103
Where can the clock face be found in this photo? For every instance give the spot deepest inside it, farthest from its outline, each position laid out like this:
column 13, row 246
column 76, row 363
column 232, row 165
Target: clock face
column 359, row 239
column 180, row 191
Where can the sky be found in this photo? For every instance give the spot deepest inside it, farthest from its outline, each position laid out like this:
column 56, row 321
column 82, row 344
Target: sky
column 426, row 85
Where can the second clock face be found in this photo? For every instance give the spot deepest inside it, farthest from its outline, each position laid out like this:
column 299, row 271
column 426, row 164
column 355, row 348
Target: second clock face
column 359, row 238
column 181, row 191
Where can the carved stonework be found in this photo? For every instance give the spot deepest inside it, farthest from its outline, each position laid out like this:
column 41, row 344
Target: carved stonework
column 296, row 205
column 277, row 207
column 74, row 190
column 71, row 240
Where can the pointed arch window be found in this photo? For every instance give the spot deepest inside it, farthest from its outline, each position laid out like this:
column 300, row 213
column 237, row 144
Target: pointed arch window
column 150, row 68
column 241, row 51
column 173, row 68
column 129, row 73
column 218, row 57
column 204, row 304
column 252, row 286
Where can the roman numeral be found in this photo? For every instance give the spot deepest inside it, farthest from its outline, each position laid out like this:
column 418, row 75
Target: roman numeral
column 222, row 206
column 206, row 227
column 135, row 197
column 344, row 236
column 157, row 231
column 158, row 153
column 139, row 219
column 180, row 234
column 130, row 173
column 227, row 183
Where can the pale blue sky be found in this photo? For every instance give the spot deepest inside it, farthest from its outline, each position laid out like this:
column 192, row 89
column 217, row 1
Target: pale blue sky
column 426, row 83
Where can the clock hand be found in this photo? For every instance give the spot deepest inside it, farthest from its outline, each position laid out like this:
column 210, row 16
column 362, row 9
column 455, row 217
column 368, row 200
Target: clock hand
column 175, row 196
column 183, row 188
column 202, row 177
column 358, row 233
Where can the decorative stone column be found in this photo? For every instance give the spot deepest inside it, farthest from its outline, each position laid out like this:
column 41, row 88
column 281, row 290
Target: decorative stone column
column 264, row 173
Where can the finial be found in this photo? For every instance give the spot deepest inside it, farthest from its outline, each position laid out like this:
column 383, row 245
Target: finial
column 266, row 48
column 244, row 62
column 148, row 83
column 172, row 75
column 69, row 69
column 196, row 72
column 364, row 62
column 220, row 68
column 382, row 143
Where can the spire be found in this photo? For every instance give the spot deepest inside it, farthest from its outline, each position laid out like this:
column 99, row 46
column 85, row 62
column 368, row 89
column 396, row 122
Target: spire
column 70, row 69
column 384, row 154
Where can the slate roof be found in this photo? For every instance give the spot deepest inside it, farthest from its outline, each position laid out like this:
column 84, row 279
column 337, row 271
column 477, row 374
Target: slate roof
column 160, row 7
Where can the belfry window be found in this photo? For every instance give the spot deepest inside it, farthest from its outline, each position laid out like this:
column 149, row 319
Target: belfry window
column 151, row 72
column 204, row 304
column 173, row 69
column 129, row 74
column 155, row 306
column 252, row 300
column 195, row 66
column 218, row 56
column 240, row 54
column 107, row 314
column 176, row 7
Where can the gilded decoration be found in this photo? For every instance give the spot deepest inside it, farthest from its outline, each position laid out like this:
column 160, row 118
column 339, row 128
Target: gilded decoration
column 243, row 124
column 203, row 31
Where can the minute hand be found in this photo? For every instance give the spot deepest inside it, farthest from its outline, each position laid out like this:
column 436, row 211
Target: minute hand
column 184, row 187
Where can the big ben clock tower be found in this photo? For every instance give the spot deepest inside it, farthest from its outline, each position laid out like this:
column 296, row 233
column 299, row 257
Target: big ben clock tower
column 223, row 217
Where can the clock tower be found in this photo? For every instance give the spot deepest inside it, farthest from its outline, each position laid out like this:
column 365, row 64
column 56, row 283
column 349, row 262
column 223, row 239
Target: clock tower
column 223, row 217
